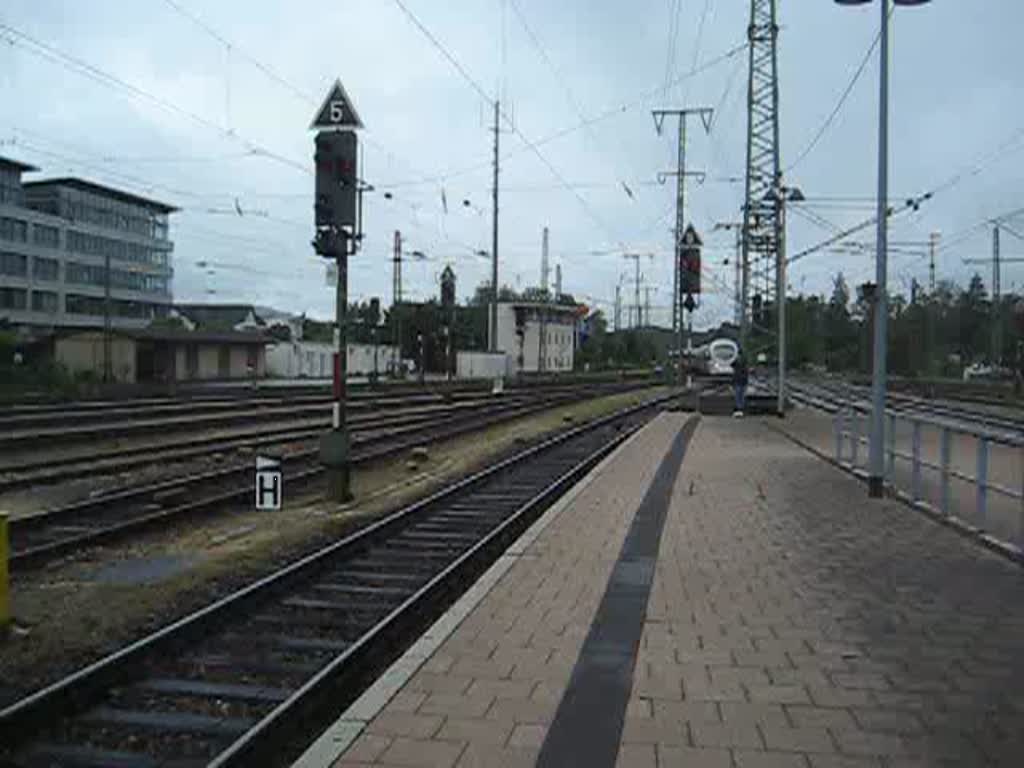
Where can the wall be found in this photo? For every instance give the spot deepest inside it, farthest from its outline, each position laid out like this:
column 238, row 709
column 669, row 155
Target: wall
column 313, row 359
column 481, row 365
column 209, row 363
column 84, row 352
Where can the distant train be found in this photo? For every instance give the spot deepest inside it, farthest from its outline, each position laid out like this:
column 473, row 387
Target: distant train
column 715, row 358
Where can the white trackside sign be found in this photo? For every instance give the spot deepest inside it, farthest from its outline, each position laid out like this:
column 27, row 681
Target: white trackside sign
column 269, row 485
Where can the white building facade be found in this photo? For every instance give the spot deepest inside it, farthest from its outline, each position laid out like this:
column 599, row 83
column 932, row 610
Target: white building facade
column 521, row 327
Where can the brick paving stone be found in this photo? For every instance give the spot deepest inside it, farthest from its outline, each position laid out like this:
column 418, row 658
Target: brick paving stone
column 805, row 739
column 686, row 711
column 405, row 724
column 648, row 730
column 844, row 761
column 820, row 717
column 432, row 682
column 782, row 694
column 749, row 759
column 422, row 753
column 527, row 735
column 687, row 757
column 489, row 756
column 867, row 743
column 636, row 756
column 726, row 735
column 890, row 720
column 456, row 704
column 757, row 713
column 367, row 747
column 475, row 730
column 523, row 710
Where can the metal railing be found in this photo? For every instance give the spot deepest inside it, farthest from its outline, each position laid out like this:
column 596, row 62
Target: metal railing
column 851, row 429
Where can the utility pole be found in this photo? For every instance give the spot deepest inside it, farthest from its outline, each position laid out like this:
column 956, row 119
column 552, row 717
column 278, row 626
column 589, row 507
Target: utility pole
column 761, row 231
column 493, row 325
column 634, row 319
column 558, row 281
column 706, row 114
column 542, row 345
column 738, row 298
column 396, row 300
column 647, row 303
column 933, row 240
column 107, row 322
column 618, row 307
column 997, row 261
column 997, row 300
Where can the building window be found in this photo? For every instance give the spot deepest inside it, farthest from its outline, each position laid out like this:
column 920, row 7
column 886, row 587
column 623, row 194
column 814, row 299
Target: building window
column 94, row 245
column 12, row 298
column 44, row 301
column 84, row 274
column 46, row 236
column 83, row 305
column 45, row 269
column 13, row 264
column 14, row 230
column 10, row 188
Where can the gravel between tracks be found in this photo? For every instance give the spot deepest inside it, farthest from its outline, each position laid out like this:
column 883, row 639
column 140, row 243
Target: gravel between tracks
column 75, row 611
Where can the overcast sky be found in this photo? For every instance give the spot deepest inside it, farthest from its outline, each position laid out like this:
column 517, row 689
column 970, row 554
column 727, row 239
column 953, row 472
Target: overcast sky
column 215, row 108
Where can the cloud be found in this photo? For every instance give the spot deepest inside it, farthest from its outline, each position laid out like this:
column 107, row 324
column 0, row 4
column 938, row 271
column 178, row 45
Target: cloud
column 955, row 96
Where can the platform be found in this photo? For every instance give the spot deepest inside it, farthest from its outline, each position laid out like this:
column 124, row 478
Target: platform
column 748, row 608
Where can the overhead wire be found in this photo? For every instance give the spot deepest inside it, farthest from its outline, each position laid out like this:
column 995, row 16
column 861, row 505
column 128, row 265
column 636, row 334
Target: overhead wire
column 80, row 66
column 839, row 106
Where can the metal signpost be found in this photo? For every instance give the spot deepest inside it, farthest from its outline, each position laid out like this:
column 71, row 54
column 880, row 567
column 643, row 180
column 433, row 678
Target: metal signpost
column 689, row 284
column 338, row 233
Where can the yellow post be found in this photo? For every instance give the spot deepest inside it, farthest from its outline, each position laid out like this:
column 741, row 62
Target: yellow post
column 5, row 602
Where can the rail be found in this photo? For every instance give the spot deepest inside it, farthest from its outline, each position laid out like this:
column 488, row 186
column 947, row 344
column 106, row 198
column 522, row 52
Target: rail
column 851, row 431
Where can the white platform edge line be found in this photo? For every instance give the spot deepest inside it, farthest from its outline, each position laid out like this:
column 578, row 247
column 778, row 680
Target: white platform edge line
column 339, row 736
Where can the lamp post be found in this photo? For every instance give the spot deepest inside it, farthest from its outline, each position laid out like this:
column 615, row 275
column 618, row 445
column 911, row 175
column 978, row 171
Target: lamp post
column 876, row 471
column 782, row 195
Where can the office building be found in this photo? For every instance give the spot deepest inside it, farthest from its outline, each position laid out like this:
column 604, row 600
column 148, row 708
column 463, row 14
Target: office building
column 57, row 238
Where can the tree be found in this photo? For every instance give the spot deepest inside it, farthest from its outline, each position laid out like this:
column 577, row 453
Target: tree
column 840, row 331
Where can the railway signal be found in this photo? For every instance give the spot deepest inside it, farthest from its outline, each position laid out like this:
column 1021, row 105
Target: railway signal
column 337, row 217
column 690, row 257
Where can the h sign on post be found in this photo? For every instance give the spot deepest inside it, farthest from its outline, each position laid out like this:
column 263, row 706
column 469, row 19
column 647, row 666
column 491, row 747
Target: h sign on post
column 269, row 485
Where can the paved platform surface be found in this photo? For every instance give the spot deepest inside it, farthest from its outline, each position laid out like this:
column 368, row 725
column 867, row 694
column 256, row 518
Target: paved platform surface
column 789, row 622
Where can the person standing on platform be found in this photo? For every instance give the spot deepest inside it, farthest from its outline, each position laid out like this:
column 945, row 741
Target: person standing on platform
column 740, row 377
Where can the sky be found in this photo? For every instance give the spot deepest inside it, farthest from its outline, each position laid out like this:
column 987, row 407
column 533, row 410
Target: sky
column 207, row 105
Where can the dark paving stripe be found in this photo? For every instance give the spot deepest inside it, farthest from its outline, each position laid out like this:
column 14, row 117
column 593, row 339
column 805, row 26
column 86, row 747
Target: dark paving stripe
column 588, row 723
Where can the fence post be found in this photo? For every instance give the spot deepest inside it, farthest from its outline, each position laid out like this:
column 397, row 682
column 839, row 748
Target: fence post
column 891, row 466
column 1020, row 521
column 837, row 423
column 981, row 479
column 915, row 478
column 5, row 599
column 854, row 438
column 946, row 451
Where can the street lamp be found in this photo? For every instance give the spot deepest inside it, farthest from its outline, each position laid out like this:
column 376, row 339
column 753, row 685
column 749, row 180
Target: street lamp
column 876, row 471
column 782, row 195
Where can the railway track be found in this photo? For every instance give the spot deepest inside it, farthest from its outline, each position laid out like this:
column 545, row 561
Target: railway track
column 246, row 680
column 42, row 537
column 93, row 462
column 833, row 397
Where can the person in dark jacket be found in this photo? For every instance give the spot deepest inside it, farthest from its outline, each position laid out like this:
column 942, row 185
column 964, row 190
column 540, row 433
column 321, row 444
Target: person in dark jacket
column 740, row 377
